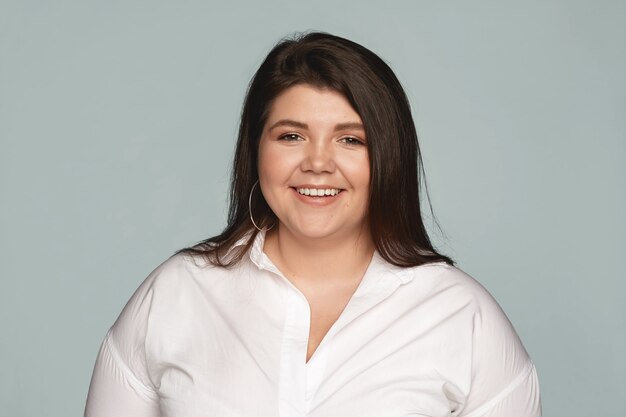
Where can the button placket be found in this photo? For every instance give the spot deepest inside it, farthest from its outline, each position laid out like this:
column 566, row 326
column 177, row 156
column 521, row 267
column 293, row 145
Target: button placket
column 293, row 373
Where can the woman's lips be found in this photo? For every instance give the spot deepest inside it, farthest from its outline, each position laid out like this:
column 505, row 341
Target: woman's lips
column 318, row 196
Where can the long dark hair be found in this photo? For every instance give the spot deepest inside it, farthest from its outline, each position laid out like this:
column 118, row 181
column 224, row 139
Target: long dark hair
column 327, row 61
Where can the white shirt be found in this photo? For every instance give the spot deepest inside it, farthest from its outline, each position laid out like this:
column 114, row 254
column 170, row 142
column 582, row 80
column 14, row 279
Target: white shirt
column 200, row 340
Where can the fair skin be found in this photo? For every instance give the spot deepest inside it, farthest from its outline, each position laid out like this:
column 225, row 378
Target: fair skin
column 314, row 174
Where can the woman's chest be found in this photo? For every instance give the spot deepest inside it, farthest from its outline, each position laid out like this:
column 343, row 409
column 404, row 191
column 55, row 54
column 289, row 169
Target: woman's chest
column 251, row 361
column 393, row 383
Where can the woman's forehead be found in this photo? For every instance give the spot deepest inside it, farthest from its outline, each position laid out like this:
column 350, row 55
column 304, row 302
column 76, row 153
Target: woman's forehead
column 305, row 106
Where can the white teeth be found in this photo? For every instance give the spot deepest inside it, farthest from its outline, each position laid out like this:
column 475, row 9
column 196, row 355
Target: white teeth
column 316, row 192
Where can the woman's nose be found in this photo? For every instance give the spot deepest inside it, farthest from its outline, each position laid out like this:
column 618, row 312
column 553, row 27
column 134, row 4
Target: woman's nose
column 318, row 158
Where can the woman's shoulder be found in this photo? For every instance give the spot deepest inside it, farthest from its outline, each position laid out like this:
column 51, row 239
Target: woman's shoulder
column 441, row 277
column 179, row 273
column 182, row 268
column 448, row 288
column 166, row 287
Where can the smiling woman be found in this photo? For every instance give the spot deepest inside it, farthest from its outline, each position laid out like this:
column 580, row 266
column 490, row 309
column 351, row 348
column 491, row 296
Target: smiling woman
column 323, row 296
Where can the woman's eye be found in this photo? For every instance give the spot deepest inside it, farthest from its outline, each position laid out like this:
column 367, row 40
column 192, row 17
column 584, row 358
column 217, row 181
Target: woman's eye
column 351, row 141
column 289, row 137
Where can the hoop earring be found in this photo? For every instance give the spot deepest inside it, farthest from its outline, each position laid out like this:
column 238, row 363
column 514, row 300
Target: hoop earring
column 250, row 209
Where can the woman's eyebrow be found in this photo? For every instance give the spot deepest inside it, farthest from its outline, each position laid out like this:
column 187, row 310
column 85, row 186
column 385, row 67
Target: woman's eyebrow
column 349, row 125
column 290, row 123
column 294, row 123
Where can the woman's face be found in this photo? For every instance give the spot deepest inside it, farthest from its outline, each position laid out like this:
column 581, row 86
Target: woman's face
column 314, row 165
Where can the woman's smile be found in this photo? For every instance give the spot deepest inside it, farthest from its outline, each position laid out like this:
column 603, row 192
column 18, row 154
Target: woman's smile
column 318, row 196
column 318, row 191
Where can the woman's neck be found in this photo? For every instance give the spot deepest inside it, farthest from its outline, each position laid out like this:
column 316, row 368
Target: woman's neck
column 320, row 263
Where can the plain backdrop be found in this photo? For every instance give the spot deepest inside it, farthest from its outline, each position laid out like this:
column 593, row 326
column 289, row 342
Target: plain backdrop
column 118, row 121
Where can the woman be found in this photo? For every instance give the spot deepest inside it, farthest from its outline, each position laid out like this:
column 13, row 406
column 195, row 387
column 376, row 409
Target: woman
column 323, row 296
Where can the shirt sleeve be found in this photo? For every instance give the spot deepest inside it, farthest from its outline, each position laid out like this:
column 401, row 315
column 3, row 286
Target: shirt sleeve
column 504, row 380
column 120, row 384
column 519, row 399
column 115, row 390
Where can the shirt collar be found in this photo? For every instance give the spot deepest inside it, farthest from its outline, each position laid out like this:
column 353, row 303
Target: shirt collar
column 378, row 264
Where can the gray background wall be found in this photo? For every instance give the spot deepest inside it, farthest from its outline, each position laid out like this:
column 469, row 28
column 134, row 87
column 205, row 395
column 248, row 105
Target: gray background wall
column 117, row 124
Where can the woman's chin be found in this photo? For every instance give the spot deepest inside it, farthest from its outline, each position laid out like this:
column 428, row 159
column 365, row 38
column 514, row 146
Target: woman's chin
column 320, row 230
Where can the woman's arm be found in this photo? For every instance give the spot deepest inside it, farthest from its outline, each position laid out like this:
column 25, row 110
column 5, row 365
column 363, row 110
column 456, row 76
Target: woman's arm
column 519, row 399
column 115, row 391
column 504, row 380
column 121, row 384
